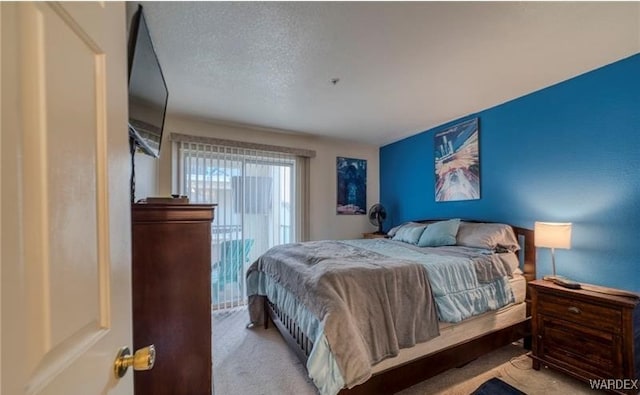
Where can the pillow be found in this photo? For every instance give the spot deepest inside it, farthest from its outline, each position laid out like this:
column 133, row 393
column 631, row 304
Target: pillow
column 441, row 233
column 487, row 235
column 392, row 231
column 409, row 232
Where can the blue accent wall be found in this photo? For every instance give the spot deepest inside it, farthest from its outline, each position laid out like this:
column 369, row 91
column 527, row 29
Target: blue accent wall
column 566, row 153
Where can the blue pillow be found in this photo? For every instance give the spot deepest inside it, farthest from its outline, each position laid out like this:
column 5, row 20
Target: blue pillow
column 441, row 233
column 409, row 232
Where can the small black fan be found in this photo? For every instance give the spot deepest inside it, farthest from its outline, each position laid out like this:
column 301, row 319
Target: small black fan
column 377, row 215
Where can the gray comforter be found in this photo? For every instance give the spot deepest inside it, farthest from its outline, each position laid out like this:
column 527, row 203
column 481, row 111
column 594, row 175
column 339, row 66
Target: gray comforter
column 370, row 305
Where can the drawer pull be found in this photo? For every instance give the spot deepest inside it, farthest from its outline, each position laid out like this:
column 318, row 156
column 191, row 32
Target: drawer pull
column 574, row 310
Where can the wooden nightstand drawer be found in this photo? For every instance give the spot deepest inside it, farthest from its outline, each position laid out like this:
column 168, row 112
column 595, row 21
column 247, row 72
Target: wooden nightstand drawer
column 584, row 313
column 571, row 345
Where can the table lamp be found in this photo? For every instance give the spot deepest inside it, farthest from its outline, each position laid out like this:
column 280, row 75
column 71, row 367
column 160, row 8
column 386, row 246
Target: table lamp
column 552, row 235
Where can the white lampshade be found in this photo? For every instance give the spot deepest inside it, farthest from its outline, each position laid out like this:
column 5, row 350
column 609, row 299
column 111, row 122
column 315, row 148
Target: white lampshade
column 552, row 234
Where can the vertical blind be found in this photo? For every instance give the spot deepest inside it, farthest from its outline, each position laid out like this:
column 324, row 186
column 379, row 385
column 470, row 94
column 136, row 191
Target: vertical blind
column 256, row 193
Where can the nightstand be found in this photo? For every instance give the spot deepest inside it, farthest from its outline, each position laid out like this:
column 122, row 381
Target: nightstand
column 588, row 335
column 374, row 235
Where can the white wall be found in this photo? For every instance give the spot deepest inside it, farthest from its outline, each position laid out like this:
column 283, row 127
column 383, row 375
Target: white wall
column 147, row 173
column 325, row 224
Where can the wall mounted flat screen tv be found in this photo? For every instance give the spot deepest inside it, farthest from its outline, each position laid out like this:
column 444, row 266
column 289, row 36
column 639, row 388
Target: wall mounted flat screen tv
column 147, row 89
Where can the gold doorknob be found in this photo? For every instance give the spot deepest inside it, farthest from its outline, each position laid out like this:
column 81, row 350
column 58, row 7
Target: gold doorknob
column 143, row 359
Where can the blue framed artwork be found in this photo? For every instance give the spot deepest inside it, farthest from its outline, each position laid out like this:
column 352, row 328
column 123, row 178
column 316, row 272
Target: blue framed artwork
column 457, row 162
column 352, row 186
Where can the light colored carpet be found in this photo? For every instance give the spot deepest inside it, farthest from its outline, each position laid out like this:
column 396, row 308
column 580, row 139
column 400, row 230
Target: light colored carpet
column 258, row 362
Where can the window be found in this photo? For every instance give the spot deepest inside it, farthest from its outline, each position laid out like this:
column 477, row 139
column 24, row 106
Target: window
column 257, row 196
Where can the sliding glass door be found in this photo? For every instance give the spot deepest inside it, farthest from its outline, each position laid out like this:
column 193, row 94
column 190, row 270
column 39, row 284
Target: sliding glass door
column 255, row 193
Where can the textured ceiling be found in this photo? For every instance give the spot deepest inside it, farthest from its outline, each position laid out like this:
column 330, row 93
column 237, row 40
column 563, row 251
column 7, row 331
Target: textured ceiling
column 404, row 67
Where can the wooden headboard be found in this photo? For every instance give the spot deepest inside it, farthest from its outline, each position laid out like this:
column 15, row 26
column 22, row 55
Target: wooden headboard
column 527, row 253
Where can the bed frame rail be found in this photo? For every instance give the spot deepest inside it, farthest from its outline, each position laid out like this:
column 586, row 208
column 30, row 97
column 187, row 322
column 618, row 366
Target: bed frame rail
column 294, row 337
column 411, row 373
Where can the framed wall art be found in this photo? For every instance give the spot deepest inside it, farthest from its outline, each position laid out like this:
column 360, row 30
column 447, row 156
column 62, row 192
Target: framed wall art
column 457, row 162
column 352, row 186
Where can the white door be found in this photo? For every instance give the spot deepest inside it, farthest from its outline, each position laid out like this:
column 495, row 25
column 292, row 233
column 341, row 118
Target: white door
column 65, row 249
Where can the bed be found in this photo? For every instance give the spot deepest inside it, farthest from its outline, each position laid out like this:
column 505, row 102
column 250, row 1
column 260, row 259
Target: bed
column 379, row 315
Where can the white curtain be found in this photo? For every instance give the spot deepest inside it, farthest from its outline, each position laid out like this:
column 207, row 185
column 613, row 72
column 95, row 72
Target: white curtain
column 258, row 195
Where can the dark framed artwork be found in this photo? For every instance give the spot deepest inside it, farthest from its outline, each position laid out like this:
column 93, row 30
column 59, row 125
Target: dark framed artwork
column 352, row 186
column 457, row 162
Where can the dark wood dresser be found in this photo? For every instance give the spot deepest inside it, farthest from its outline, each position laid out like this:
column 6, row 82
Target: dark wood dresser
column 589, row 335
column 171, row 284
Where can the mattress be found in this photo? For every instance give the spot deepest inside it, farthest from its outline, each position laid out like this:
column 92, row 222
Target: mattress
column 451, row 334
